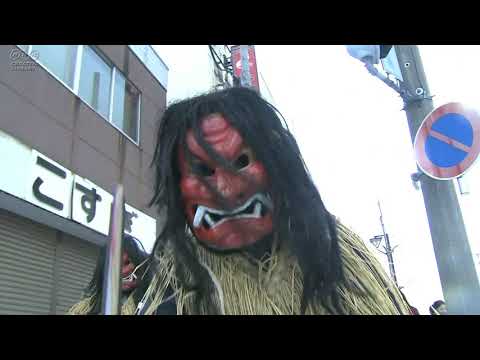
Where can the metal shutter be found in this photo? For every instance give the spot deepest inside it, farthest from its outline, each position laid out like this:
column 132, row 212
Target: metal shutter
column 27, row 253
column 76, row 263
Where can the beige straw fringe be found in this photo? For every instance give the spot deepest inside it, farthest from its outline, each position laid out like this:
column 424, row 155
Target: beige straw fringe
column 274, row 287
column 84, row 306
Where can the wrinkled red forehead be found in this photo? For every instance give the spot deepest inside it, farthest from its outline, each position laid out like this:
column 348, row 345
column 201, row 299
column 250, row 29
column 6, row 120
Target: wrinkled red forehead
column 221, row 136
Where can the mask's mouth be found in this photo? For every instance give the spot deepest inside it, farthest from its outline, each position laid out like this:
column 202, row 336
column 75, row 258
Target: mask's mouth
column 129, row 278
column 254, row 208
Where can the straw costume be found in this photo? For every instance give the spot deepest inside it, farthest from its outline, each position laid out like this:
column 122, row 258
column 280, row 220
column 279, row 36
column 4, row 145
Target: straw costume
column 246, row 231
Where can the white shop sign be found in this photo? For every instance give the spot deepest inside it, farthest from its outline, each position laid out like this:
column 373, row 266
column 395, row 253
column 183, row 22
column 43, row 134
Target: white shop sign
column 50, row 185
column 137, row 224
column 91, row 205
column 31, row 176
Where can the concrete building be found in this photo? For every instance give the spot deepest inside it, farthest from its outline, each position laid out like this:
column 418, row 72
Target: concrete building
column 75, row 120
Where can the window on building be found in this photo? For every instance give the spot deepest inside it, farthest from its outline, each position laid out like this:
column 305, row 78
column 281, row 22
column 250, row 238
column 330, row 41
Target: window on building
column 90, row 76
column 95, row 81
column 125, row 110
column 23, row 47
column 59, row 59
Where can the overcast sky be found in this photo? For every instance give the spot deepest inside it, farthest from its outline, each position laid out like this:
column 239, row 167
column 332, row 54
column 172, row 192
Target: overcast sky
column 355, row 140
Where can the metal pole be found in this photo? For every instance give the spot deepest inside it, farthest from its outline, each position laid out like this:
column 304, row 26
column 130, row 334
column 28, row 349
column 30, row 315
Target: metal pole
column 391, row 265
column 112, row 272
column 455, row 264
column 388, row 249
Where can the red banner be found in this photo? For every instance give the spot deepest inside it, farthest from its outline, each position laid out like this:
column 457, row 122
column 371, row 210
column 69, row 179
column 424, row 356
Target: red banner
column 252, row 62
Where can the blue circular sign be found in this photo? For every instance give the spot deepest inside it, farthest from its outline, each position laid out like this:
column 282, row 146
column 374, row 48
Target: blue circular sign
column 448, row 142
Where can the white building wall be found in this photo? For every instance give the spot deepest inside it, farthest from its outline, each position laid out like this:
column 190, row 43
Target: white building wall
column 190, row 70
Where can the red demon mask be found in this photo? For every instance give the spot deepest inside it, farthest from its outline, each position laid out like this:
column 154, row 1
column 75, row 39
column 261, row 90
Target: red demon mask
column 225, row 209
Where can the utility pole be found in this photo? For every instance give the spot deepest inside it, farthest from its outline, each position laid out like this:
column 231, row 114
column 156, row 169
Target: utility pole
column 376, row 241
column 455, row 262
column 388, row 248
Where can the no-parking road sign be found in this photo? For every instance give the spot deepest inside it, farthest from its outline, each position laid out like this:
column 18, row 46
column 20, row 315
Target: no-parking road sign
column 448, row 141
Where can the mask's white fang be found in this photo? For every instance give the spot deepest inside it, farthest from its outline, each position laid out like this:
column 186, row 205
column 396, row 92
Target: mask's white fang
column 197, row 220
column 209, row 220
column 207, row 214
column 258, row 209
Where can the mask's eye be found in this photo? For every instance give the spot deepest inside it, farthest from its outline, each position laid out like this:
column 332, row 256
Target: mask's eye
column 201, row 169
column 242, row 161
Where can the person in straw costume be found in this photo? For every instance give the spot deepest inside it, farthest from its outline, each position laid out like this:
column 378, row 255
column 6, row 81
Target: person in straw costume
column 134, row 264
column 246, row 231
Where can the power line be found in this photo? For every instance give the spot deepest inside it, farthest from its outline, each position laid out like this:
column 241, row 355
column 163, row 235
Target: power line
column 223, row 65
column 266, row 85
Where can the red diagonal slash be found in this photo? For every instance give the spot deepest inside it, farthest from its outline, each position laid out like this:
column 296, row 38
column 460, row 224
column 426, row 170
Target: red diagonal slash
column 449, row 141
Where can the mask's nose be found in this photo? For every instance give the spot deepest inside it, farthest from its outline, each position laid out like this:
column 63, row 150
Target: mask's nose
column 231, row 187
